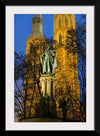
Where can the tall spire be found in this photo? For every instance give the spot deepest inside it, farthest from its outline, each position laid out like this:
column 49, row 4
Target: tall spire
column 37, row 26
column 37, row 15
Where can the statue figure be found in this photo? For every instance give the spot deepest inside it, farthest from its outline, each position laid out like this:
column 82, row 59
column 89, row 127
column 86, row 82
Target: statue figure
column 48, row 59
column 43, row 62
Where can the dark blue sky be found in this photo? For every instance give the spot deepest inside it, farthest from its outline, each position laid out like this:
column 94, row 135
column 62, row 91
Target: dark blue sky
column 22, row 29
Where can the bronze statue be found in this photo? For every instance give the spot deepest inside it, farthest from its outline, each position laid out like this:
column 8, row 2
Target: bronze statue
column 48, row 59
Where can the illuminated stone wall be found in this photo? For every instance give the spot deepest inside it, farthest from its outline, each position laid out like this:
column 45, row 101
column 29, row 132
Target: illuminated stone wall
column 66, row 74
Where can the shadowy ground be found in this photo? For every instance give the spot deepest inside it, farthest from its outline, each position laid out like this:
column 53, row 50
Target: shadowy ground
column 41, row 120
column 47, row 119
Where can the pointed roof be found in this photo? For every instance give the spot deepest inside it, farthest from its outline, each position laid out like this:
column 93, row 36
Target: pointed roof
column 37, row 15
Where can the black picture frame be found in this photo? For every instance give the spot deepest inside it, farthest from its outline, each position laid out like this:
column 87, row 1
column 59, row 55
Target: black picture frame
column 96, row 4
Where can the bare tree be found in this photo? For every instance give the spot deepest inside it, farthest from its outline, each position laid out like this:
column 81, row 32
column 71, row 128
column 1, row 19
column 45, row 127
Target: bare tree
column 76, row 43
column 19, row 69
column 27, row 68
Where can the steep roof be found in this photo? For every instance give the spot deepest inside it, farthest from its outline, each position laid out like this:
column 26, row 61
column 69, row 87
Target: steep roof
column 37, row 15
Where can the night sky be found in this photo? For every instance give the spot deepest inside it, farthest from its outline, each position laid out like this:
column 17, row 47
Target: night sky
column 22, row 29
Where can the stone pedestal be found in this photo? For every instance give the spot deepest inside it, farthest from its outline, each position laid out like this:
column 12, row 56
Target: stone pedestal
column 48, row 82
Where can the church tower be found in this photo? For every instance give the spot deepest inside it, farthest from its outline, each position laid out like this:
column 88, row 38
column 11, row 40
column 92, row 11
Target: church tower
column 36, row 32
column 66, row 73
column 34, row 47
column 37, row 26
column 61, row 24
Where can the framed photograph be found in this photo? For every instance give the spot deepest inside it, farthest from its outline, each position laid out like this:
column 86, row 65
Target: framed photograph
column 50, row 67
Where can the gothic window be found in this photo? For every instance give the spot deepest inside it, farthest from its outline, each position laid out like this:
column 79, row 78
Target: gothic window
column 66, row 22
column 59, row 22
column 60, row 39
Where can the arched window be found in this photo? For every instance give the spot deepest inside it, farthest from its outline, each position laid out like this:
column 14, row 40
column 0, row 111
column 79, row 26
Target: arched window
column 60, row 39
column 59, row 22
column 66, row 21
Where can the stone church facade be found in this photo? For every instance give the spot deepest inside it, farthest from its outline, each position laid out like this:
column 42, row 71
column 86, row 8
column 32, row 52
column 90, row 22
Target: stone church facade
column 66, row 76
